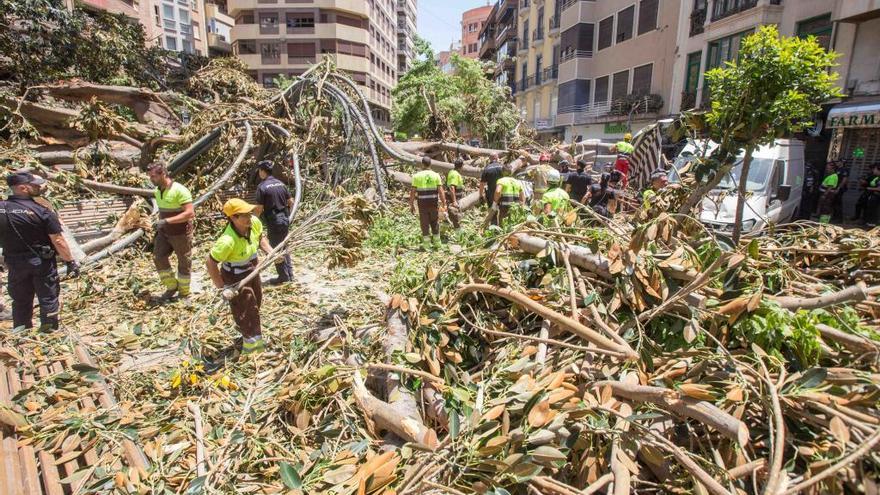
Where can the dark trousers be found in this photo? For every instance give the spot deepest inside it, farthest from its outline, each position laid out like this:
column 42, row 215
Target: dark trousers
column 871, row 212
column 276, row 234
column 245, row 306
column 30, row 276
column 429, row 217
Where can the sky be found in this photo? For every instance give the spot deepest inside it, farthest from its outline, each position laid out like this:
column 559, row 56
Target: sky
column 440, row 20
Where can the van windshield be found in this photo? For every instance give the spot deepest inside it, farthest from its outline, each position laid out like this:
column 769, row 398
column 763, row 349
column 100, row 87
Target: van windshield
column 759, row 173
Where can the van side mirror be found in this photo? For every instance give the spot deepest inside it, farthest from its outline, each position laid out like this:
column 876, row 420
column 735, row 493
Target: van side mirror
column 783, row 193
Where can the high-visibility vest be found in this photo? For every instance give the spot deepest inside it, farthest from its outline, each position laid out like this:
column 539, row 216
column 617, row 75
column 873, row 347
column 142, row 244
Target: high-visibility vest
column 426, row 183
column 557, row 198
column 510, row 189
column 625, row 148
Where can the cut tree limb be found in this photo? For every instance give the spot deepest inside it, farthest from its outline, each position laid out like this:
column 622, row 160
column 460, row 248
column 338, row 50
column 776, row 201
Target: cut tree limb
column 559, row 319
column 702, row 411
column 856, row 293
column 385, row 417
column 146, row 105
column 129, row 220
column 852, row 342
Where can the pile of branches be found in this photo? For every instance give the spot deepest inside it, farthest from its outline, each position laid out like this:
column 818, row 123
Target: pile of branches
column 664, row 363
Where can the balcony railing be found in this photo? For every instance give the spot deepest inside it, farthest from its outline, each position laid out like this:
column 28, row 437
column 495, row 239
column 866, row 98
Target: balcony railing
column 730, row 7
column 568, row 3
column 698, row 21
column 550, row 73
column 584, row 114
column 573, row 54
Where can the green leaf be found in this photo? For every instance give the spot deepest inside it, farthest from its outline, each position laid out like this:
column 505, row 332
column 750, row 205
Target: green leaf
column 753, row 249
column 289, row 476
column 454, row 424
column 196, row 486
column 84, row 368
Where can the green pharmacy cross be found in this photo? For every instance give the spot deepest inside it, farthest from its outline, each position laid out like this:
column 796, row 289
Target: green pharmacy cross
column 859, row 153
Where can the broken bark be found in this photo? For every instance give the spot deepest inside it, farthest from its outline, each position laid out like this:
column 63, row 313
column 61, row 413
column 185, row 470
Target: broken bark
column 856, row 293
column 129, row 220
column 852, row 342
column 385, row 417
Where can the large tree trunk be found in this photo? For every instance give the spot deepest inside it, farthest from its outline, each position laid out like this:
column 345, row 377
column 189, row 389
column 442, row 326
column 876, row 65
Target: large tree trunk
column 147, row 105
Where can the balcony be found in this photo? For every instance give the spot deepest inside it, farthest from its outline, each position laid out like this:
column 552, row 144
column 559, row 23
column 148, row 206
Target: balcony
column 698, row 21
column 219, row 43
column 727, row 8
column 524, row 5
column 555, row 22
column 269, row 27
column 568, row 3
column 635, row 104
column 549, row 74
column 573, row 54
column 538, row 35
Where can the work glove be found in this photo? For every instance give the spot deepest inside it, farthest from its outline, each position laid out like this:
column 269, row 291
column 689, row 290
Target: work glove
column 72, row 269
column 228, row 292
column 158, row 224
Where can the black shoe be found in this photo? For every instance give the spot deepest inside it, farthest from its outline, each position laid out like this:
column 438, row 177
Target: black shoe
column 277, row 281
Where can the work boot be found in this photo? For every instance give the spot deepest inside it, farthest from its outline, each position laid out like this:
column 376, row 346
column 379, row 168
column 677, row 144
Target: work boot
column 426, row 243
column 183, row 285
column 167, row 296
column 277, row 281
column 252, row 345
column 435, row 239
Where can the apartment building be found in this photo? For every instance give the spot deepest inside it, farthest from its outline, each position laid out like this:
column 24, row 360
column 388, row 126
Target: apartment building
column 472, row 22
column 176, row 25
column 710, row 33
column 537, row 64
column 615, row 65
column 498, row 42
column 218, row 25
column 407, row 12
column 275, row 37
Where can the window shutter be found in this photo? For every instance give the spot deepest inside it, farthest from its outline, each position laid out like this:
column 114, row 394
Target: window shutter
column 606, row 29
column 642, row 79
column 648, row 15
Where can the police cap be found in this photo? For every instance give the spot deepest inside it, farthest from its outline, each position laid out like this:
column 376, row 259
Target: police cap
column 19, row 178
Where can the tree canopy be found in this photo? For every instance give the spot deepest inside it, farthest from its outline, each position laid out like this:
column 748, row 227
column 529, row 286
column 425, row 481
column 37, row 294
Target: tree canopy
column 42, row 41
column 772, row 90
column 434, row 104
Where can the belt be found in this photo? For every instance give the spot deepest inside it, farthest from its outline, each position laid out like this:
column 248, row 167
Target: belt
column 239, row 267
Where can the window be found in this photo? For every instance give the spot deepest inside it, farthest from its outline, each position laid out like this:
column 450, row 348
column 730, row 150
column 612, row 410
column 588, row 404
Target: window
column 245, row 19
column 625, row 23
column 168, row 12
column 648, row 15
column 692, row 77
column 184, row 16
column 539, row 65
column 156, row 15
column 820, row 27
column 187, row 46
column 642, row 79
column 300, row 21
column 268, row 20
column 724, row 50
column 606, row 31
column 620, row 85
column 247, row 47
column 525, row 37
column 601, row 96
column 578, row 38
column 171, row 43
column 298, row 53
column 573, row 94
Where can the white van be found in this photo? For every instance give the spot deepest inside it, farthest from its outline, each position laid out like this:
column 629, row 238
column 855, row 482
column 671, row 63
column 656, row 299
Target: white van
column 773, row 188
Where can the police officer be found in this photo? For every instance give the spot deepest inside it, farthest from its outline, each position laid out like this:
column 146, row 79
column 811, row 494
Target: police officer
column 31, row 236
column 276, row 201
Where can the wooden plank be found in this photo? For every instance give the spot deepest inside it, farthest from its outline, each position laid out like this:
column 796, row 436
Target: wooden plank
column 49, row 471
column 26, row 454
column 135, row 456
column 71, row 466
column 11, row 481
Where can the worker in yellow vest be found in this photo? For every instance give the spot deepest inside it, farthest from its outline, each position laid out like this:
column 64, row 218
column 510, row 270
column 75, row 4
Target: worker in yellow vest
column 508, row 192
column 427, row 186
column 233, row 257
column 455, row 191
column 174, row 232
column 624, row 150
column 555, row 200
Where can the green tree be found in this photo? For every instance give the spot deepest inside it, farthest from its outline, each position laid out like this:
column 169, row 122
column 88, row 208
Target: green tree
column 773, row 90
column 434, row 104
column 41, row 41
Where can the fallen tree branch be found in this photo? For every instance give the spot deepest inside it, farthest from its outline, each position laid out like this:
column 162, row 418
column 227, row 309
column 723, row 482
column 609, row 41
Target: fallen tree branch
column 852, row 342
column 129, row 220
column 856, row 454
column 856, row 293
column 408, row 371
column 385, row 417
column 559, row 319
column 702, row 411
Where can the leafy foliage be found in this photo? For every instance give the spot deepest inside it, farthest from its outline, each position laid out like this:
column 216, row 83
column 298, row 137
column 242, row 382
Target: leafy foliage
column 772, row 90
column 432, row 103
column 42, row 41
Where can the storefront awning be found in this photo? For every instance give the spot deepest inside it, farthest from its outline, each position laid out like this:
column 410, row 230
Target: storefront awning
column 854, row 115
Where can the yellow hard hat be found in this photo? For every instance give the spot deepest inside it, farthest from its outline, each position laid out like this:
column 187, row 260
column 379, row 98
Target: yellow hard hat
column 236, row 206
column 627, row 136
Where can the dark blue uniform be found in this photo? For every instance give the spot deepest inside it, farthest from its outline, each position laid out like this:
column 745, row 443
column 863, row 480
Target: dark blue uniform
column 273, row 195
column 25, row 227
